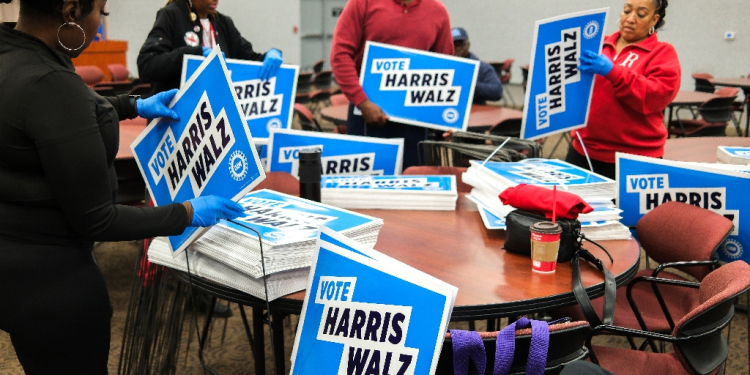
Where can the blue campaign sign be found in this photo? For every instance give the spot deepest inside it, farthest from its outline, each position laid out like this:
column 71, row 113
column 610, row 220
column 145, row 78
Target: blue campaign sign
column 266, row 105
column 419, row 88
column 393, row 183
column 543, row 172
column 341, row 154
column 558, row 96
column 208, row 152
column 367, row 313
column 645, row 183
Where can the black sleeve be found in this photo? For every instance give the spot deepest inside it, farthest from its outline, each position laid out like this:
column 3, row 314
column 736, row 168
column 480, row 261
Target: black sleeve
column 243, row 48
column 488, row 85
column 159, row 59
column 72, row 155
column 125, row 110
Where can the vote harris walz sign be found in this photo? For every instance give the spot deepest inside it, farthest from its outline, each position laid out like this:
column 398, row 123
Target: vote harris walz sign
column 558, row 95
column 645, row 183
column 340, row 154
column 209, row 151
column 419, row 88
column 265, row 105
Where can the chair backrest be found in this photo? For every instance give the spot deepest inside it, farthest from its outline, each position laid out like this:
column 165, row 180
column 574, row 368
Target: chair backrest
column 339, row 99
column 306, row 119
column 304, row 81
column 717, row 293
column 318, row 66
column 676, row 231
column 91, row 74
column 498, row 66
column 119, row 72
column 505, row 76
column 566, row 344
column 428, row 170
column 282, row 182
column 525, row 73
column 703, row 83
column 322, row 79
column 718, row 109
column 529, row 149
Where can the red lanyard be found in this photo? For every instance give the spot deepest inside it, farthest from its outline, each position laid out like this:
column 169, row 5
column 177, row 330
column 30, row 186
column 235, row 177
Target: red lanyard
column 212, row 39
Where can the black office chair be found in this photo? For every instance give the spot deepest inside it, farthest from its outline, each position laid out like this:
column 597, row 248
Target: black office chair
column 715, row 116
column 703, row 82
column 566, row 344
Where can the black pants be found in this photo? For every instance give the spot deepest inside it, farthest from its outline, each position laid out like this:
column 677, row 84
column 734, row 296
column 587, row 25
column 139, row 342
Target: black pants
column 55, row 306
column 412, row 135
column 600, row 167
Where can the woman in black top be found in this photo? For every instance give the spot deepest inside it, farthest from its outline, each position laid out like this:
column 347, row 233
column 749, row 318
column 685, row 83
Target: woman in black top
column 192, row 27
column 57, row 188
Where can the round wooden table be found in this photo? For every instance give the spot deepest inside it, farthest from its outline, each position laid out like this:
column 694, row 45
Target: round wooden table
column 455, row 247
column 700, row 149
column 482, row 117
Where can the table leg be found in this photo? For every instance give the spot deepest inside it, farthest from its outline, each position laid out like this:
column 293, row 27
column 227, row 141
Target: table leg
column 260, row 346
column 278, row 343
column 747, row 119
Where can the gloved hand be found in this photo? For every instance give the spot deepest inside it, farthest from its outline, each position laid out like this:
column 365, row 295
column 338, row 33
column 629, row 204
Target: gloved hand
column 208, row 210
column 271, row 64
column 207, row 51
column 592, row 62
column 156, row 106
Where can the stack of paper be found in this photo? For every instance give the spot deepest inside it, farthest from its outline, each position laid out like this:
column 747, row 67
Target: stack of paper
column 390, row 192
column 492, row 178
column 733, row 155
column 364, row 310
column 288, row 227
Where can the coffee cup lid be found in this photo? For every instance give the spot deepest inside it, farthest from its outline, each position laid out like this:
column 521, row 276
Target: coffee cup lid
column 546, row 227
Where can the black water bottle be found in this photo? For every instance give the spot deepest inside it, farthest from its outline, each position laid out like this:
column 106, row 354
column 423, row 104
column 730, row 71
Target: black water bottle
column 309, row 174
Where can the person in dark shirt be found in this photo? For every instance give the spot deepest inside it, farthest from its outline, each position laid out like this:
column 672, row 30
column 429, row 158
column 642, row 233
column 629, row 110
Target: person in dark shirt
column 489, row 87
column 193, row 27
column 57, row 190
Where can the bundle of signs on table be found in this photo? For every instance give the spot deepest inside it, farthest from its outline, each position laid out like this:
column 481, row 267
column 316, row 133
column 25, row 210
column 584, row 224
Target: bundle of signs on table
column 230, row 254
column 410, row 192
column 733, row 155
column 492, row 178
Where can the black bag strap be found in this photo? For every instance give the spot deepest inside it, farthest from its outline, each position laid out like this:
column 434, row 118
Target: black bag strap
column 610, row 287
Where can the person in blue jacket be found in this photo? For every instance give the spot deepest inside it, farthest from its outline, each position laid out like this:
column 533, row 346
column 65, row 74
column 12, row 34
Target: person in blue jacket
column 489, row 87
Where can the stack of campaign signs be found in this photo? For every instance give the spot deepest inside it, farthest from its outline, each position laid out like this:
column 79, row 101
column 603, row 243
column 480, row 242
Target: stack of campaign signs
column 366, row 313
column 492, row 178
column 390, row 192
column 288, row 227
column 733, row 155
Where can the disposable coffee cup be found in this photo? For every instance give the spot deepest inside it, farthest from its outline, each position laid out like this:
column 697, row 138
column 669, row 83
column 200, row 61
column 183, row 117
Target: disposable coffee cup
column 545, row 243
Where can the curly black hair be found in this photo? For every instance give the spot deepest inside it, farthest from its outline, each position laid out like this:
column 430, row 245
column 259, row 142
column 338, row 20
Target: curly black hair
column 51, row 7
column 661, row 10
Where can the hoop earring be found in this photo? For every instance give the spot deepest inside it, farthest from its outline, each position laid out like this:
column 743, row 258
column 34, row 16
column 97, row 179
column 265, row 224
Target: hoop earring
column 79, row 28
column 651, row 30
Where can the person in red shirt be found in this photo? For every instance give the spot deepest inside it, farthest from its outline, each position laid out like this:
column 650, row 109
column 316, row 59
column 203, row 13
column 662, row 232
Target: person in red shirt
column 637, row 77
column 418, row 24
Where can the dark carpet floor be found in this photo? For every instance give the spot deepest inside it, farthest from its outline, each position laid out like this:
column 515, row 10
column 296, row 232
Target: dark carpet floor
column 227, row 349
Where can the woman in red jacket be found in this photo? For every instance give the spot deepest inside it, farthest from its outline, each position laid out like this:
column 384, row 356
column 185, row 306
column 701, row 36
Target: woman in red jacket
column 637, row 77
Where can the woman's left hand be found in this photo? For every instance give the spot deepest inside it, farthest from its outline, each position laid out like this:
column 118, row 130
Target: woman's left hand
column 271, row 64
column 156, row 106
column 592, row 62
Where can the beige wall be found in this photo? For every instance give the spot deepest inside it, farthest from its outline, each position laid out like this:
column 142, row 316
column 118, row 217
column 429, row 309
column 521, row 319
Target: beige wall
column 9, row 12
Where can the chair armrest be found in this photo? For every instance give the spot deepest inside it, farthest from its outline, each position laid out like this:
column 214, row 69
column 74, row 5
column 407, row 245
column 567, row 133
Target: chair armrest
column 654, row 281
column 676, row 265
column 628, row 332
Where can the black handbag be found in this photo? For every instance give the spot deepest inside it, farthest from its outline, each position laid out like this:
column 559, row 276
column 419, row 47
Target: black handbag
column 518, row 234
column 518, row 240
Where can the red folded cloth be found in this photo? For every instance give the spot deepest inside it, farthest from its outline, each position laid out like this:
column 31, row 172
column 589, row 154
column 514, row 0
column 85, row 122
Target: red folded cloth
column 539, row 199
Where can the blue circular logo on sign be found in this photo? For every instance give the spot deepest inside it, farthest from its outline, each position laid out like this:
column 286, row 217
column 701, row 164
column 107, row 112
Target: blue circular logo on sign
column 732, row 248
column 591, row 29
column 238, row 165
column 450, row 115
column 273, row 123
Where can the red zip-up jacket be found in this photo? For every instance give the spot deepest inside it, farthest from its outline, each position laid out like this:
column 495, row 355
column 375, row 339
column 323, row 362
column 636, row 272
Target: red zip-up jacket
column 627, row 105
column 423, row 25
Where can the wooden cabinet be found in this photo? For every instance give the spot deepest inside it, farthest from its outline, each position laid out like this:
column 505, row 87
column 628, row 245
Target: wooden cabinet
column 103, row 53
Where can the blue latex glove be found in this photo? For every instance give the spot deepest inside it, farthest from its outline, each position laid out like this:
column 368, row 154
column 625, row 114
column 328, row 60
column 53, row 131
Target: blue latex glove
column 156, row 106
column 207, row 51
column 592, row 62
column 208, row 210
column 271, row 64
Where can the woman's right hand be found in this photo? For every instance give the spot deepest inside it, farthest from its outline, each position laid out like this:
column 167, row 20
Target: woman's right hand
column 208, row 210
column 372, row 114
